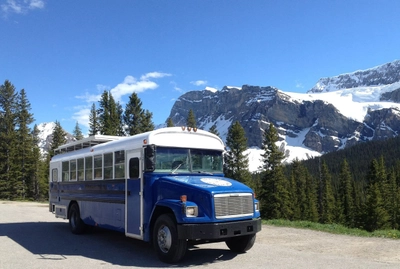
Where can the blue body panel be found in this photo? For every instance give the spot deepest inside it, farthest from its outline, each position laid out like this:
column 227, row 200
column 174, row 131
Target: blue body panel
column 102, row 203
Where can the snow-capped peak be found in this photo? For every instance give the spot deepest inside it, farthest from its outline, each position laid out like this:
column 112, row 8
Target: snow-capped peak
column 213, row 90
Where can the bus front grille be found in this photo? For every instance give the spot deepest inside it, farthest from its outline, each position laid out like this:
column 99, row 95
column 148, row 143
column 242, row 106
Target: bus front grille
column 233, row 205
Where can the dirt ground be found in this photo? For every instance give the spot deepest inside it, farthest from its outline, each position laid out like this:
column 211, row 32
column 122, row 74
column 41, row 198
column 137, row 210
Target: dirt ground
column 31, row 237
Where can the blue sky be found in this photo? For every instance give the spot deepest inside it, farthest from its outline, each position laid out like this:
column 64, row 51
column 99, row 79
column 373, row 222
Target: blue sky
column 66, row 53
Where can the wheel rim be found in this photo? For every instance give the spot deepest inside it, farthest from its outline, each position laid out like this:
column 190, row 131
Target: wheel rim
column 164, row 239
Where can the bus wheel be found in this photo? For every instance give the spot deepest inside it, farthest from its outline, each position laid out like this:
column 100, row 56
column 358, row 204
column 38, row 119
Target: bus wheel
column 241, row 244
column 75, row 222
column 169, row 248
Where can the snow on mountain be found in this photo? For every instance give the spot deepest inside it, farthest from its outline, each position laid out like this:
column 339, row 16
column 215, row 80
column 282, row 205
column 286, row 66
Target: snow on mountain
column 384, row 74
column 353, row 103
column 213, row 90
column 46, row 136
column 45, row 132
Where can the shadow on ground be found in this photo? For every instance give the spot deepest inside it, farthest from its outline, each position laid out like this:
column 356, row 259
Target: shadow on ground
column 53, row 240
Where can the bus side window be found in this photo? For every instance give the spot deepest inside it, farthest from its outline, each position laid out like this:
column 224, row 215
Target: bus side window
column 72, row 170
column 65, row 171
column 108, row 166
column 119, row 164
column 98, row 167
column 54, row 175
column 81, row 169
column 88, row 168
column 134, row 168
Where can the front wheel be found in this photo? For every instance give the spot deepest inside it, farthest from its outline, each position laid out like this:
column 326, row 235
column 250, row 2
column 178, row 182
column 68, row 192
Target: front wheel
column 76, row 224
column 169, row 247
column 241, row 244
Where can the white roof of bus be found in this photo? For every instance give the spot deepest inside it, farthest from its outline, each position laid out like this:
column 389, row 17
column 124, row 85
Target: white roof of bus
column 168, row 137
column 86, row 142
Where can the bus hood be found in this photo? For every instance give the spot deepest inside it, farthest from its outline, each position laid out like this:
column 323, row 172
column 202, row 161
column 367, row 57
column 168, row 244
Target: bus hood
column 208, row 183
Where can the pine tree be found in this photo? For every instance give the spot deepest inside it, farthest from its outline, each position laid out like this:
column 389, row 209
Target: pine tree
column 39, row 183
column 393, row 199
column 274, row 194
column 191, row 120
column 276, row 199
column 236, row 162
column 299, row 186
column 9, row 172
column 121, row 126
column 170, row 123
column 77, row 132
column 311, row 212
column 147, row 123
column 214, row 130
column 135, row 118
column 328, row 207
column 94, row 127
column 272, row 156
column 25, row 156
column 346, row 195
column 108, row 115
column 376, row 215
column 59, row 138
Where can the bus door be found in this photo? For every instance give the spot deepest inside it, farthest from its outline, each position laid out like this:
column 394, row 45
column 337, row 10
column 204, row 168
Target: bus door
column 134, row 195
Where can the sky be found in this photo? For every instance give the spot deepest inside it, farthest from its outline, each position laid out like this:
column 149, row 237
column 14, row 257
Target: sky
column 66, row 53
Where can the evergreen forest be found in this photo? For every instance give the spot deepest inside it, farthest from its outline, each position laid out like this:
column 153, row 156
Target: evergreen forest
column 358, row 187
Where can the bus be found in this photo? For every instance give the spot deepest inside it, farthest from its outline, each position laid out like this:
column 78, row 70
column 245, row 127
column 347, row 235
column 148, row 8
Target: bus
column 165, row 187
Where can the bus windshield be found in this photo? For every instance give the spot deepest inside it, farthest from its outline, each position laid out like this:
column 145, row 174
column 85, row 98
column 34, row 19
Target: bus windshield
column 179, row 160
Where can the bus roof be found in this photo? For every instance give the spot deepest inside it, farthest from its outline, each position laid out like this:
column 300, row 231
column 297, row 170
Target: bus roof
column 85, row 143
column 182, row 137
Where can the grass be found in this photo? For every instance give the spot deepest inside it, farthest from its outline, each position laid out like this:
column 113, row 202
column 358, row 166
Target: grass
column 334, row 228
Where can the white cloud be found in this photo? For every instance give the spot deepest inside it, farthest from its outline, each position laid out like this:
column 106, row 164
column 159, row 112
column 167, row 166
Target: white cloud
column 35, row 4
column 82, row 115
column 199, row 82
column 154, row 75
column 21, row 6
column 129, row 85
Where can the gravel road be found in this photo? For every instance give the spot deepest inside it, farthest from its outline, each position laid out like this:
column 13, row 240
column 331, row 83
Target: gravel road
column 31, row 237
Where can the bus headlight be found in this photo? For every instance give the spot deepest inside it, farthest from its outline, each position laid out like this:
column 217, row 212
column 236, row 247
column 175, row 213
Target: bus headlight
column 191, row 211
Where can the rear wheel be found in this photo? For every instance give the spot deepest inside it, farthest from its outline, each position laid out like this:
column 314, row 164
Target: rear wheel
column 169, row 247
column 76, row 224
column 241, row 244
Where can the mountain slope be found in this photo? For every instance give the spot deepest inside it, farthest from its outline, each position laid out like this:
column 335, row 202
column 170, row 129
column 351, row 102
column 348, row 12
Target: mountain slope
column 46, row 136
column 323, row 120
column 385, row 74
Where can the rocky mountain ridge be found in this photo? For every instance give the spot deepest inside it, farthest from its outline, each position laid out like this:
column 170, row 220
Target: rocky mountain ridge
column 337, row 112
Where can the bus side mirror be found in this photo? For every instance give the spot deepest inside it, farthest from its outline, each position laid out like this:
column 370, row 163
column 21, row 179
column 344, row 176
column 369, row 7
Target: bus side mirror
column 149, row 158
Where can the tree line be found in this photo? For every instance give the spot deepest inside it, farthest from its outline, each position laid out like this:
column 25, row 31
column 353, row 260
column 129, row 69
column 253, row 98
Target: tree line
column 291, row 192
column 24, row 168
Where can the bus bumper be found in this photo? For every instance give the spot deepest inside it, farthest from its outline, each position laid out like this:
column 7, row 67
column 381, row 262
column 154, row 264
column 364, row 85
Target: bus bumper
column 215, row 231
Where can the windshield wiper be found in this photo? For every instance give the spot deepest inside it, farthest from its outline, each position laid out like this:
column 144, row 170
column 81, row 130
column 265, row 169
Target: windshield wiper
column 176, row 168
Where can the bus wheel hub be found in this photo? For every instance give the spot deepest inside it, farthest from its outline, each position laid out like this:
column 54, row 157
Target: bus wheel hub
column 164, row 239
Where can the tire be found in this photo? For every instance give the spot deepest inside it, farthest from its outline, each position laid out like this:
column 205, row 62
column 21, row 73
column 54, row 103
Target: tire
column 76, row 224
column 169, row 248
column 241, row 244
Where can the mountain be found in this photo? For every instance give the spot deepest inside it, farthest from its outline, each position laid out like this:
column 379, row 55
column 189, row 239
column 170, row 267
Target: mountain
column 385, row 74
column 46, row 136
column 336, row 113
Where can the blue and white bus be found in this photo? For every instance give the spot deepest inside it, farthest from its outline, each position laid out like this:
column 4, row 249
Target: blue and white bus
column 165, row 187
